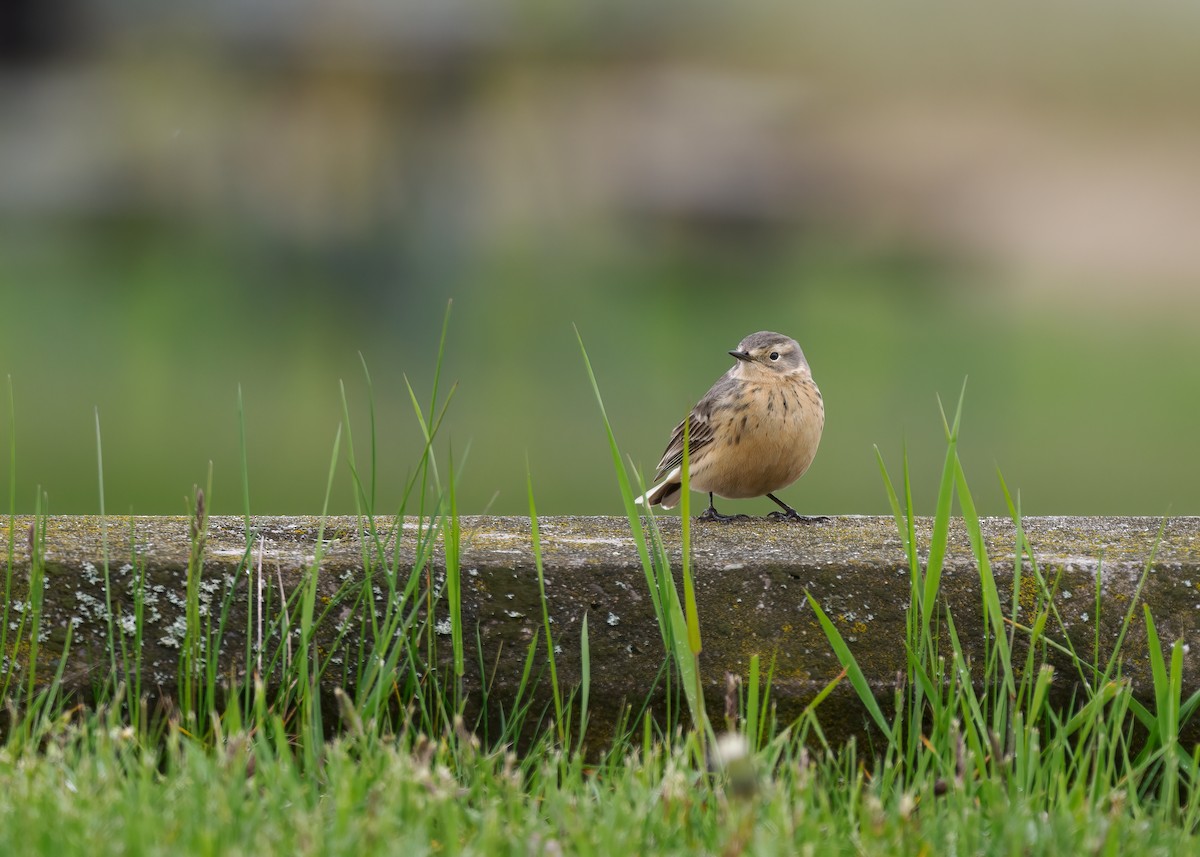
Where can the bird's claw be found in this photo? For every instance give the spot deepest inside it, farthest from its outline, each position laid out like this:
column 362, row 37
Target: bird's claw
column 711, row 514
column 793, row 515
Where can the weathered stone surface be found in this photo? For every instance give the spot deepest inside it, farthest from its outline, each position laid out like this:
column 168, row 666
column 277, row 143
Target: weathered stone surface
column 751, row 577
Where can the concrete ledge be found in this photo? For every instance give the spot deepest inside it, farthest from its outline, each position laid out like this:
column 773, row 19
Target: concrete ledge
column 751, row 577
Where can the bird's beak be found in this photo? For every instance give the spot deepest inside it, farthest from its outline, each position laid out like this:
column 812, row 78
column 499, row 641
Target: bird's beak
column 740, row 355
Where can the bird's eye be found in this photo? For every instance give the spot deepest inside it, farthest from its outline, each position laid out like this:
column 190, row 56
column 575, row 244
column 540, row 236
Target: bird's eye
column 774, row 355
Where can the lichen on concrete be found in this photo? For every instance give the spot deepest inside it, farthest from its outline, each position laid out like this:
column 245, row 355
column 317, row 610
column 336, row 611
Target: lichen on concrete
column 751, row 580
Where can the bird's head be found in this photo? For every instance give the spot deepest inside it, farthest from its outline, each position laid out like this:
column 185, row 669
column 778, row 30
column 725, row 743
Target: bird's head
column 769, row 353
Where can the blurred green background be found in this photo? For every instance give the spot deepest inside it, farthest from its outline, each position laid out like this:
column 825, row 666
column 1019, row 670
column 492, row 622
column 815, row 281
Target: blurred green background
column 199, row 196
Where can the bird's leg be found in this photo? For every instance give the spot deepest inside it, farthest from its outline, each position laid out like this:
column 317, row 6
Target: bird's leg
column 711, row 513
column 790, row 514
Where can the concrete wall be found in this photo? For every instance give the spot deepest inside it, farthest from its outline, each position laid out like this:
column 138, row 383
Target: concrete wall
column 751, row 578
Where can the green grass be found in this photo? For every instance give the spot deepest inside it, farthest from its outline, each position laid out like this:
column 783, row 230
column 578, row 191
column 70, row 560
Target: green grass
column 98, row 790
column 958, row 764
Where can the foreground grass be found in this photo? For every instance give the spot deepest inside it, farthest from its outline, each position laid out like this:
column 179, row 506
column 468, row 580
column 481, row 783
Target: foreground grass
column 98, row 793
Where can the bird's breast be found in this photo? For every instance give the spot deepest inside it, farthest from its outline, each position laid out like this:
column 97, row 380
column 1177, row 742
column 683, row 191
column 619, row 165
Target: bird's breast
column 763, row 441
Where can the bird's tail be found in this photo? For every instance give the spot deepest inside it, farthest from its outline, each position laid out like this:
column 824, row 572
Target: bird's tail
column 665, row 493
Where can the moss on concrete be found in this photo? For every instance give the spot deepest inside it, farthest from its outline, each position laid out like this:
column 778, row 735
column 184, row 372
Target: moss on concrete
column 751, row 577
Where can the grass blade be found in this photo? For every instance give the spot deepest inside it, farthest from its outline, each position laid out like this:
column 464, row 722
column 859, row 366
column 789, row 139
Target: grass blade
column 541, row 578
column 853, row 671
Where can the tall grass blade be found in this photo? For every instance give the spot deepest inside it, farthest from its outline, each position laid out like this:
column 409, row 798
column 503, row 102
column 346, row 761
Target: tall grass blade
column 541, row 578
column 310, row 708
column 452, row 540
column 691, row 614
column 241, row 414
column 857, row 679
column 752, row 702
column 6, row 673
column 108, row 599
column 585, row 677
column 661, row 585
column 992, row 611
column 631, row 510
column 37, row 584
column 941, row 523
column 1134, row 601
column 695, row 693
column 371, row 417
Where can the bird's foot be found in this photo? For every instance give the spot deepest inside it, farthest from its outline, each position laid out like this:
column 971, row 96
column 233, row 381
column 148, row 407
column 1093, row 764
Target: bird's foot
column 793, row 515
column 711, row 514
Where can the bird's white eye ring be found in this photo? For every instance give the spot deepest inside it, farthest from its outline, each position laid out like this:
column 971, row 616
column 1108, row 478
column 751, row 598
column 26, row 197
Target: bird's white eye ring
column 774, row 355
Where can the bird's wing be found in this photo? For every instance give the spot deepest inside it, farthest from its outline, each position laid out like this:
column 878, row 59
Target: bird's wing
column 700, row 429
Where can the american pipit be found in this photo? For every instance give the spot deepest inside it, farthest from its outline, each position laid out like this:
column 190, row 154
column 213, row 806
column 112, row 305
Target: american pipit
column 754, row 432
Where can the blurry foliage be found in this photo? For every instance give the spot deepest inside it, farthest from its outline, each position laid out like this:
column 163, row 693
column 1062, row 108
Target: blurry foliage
column 1087, row 412
column 240, row 196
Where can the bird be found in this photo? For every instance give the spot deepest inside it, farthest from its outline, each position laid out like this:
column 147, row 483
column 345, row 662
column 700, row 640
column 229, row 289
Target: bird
column 753, row 433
